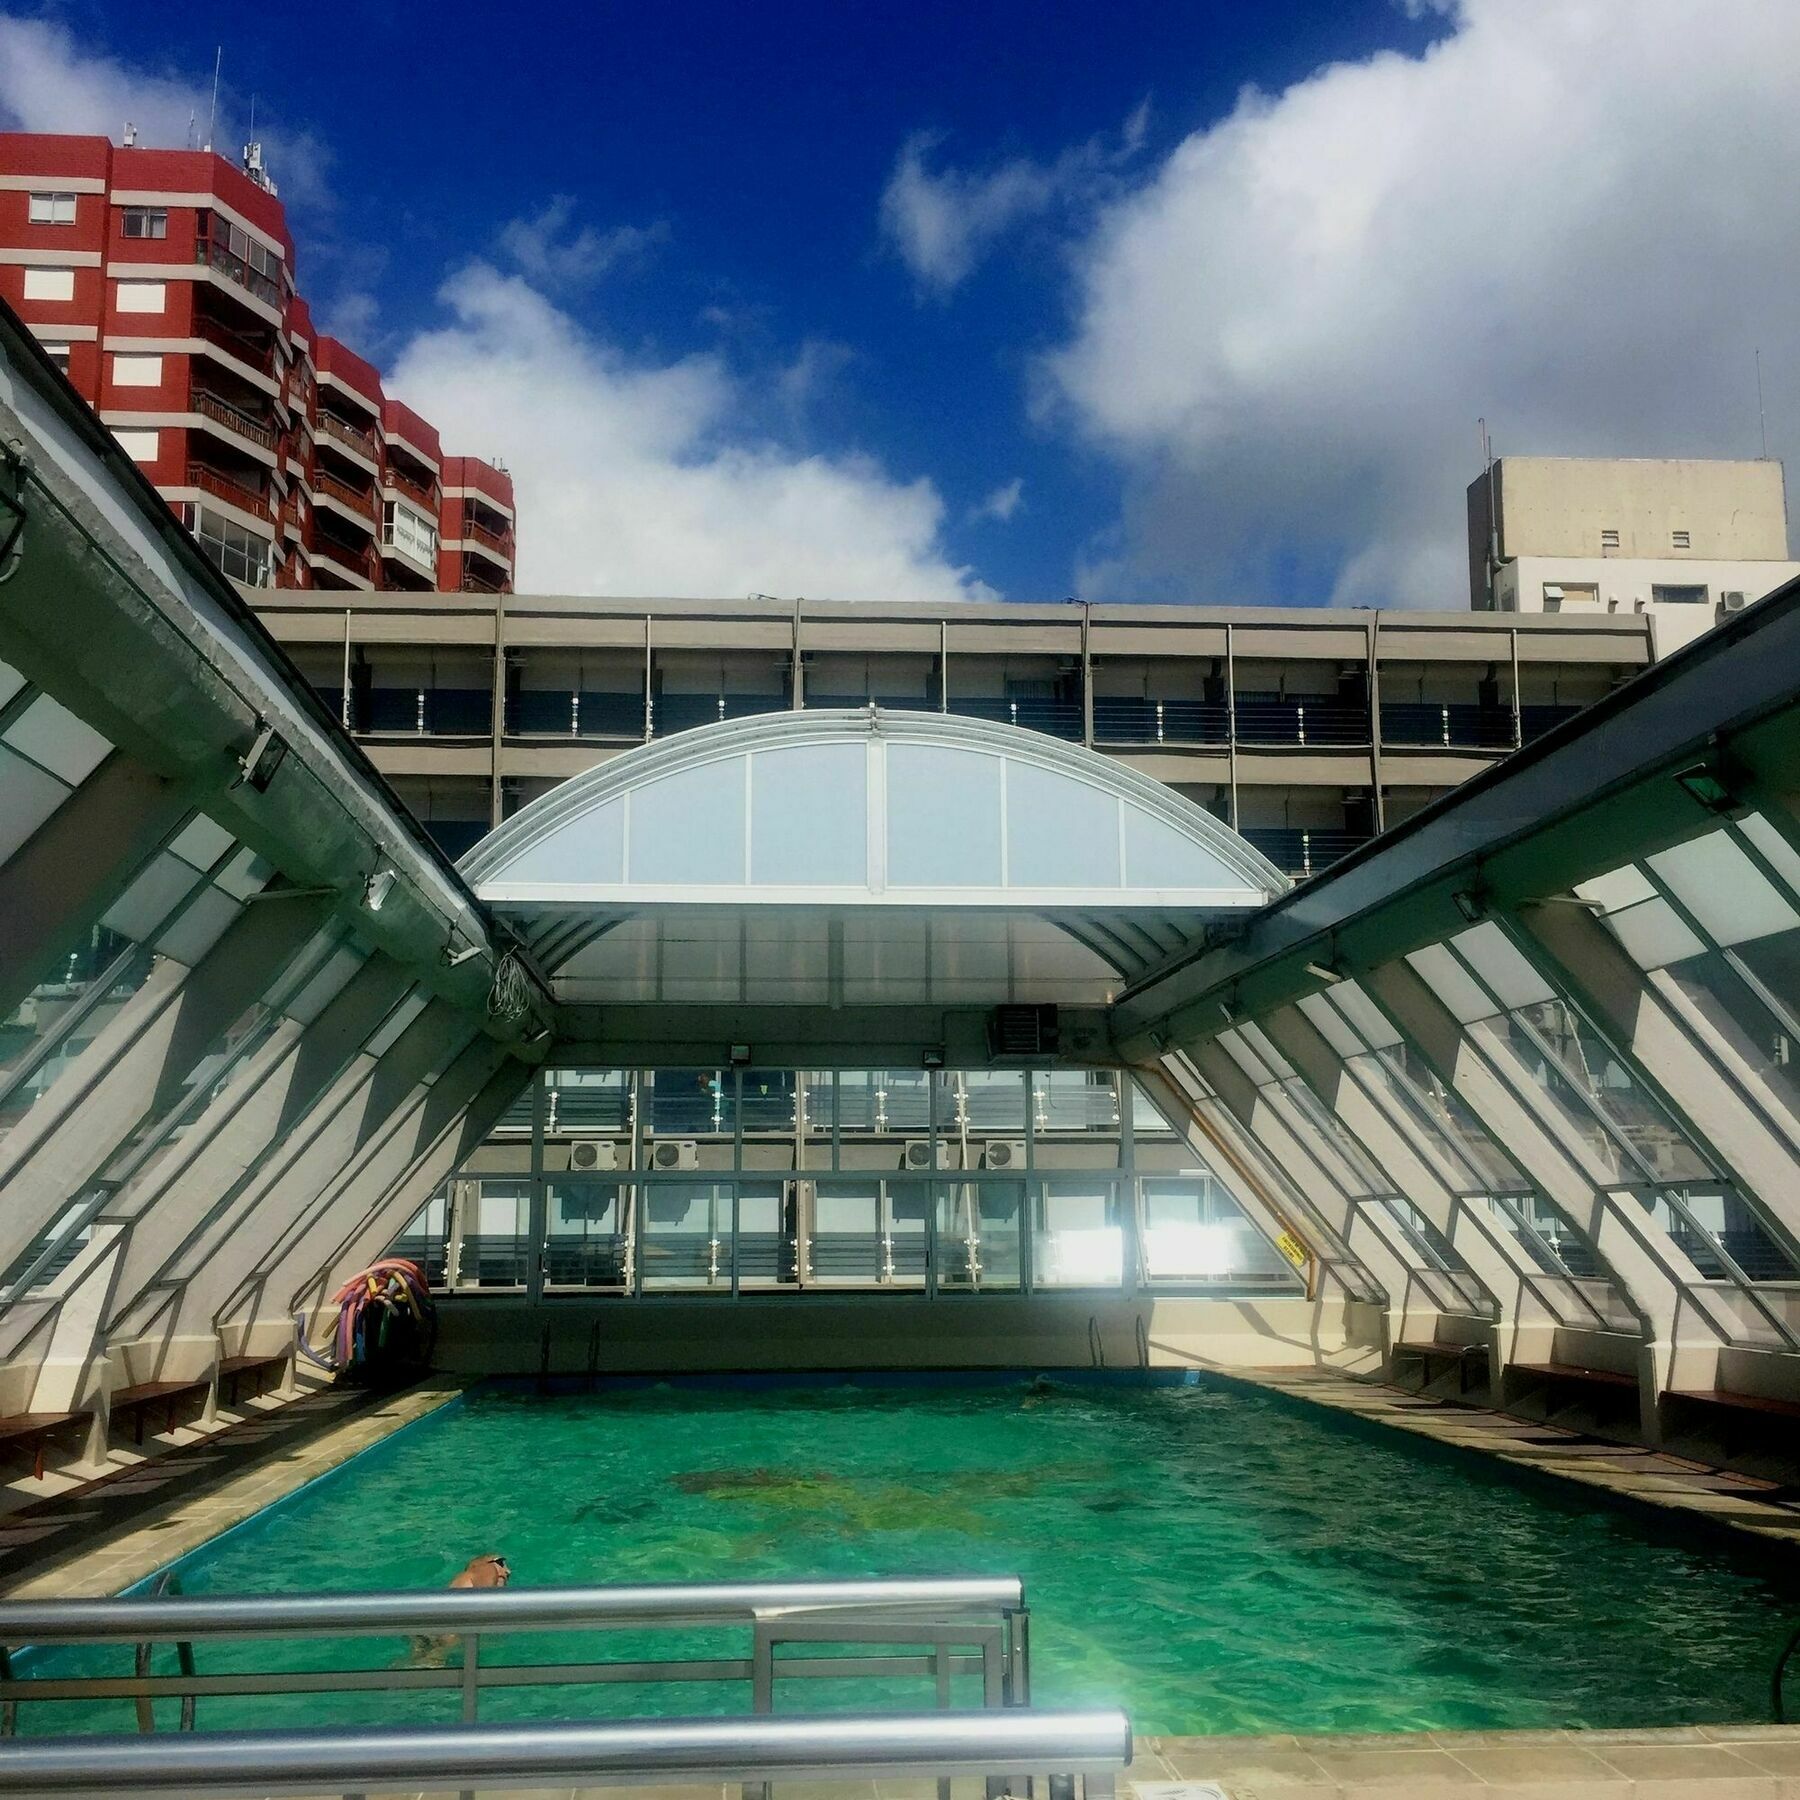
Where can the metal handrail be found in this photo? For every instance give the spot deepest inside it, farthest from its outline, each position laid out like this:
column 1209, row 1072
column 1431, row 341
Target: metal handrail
column 388, row 1612
column 976, row 1626
column 1093, row 1745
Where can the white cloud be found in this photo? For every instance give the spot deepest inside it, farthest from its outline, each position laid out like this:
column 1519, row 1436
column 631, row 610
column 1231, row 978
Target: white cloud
column 943, row 221
column 1572, row 216
column 637, row 477
column 49, row 83
column 549, row 255
column 999, row 506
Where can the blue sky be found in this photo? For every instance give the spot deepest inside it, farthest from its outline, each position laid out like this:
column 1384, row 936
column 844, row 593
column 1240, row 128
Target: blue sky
column 1020, row 298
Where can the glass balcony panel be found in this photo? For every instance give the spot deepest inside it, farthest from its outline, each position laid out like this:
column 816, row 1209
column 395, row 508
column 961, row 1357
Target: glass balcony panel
column 850, row 1243
column 688, row 1102
column 1077, row 1238
column 978, row 1236
column 496, row 1240
column 426, row 1240
column 684, row 1237
column 1195, row 1234
column 763, row 1248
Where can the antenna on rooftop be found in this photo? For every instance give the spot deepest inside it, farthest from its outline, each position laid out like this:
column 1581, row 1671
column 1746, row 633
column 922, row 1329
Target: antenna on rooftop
column 1761, row 417
column 190, row 135
column 212, row 123
column 1493, row 517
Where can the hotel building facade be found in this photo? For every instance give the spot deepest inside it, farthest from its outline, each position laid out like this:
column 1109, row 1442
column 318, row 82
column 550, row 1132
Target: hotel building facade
column 162, row 283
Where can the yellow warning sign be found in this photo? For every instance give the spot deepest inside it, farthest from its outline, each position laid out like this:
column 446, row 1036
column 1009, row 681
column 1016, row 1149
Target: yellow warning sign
column 1292, row 1248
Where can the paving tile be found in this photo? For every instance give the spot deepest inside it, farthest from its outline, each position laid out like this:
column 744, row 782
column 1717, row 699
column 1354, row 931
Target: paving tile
column 1675, row 1762
column 1249, row 1766
column 1396, row 1769
column 1779, row 1756
column 1520, row 1763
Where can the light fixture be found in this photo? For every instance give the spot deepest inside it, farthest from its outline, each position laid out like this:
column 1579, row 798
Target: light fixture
column 738, row 1055
column 932, row 1059
column 1470, row 904
column 1323, row 972
column 257, row 766
column 1702, row 783
column 377, row 888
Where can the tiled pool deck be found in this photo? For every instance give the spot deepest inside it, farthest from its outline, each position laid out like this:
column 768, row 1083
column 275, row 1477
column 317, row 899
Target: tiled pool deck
column 1747, row 1762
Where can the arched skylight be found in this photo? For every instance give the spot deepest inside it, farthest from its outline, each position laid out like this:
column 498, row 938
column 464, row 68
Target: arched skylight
column 868, row 807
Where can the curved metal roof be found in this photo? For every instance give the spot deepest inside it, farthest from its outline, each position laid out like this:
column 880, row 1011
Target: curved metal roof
column 1004, row 864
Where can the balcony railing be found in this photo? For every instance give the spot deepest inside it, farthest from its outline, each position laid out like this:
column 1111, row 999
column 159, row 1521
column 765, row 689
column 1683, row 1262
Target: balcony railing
column 1302, row 850
column 233, row 418
column 420, row 495
column 348, row 435
column 593, row 713
column 682, row 712
column 224, row 488
column 1322, row 723
column 1055, row 718
column 345, row 495
column 234, row 268
column 1128, row 720
column 1457, row 724
column 260, row 357
column 478, row 584
column 1534, row 721
column 429, row 712
column 488, row 540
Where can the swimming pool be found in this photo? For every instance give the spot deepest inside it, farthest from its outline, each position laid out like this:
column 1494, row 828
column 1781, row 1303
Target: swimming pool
column 1213, row 1557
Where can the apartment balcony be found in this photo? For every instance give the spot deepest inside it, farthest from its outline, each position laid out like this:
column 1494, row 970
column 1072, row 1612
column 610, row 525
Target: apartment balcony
column 234, row 493
column 421, row 496
column 1055, row 718
column 235, row 270
column 1122, row 719
column 253, row 355
column 588, row 713
column 495, row 544
column 682, row 712
column 1277, row 721
column 1447, row 725
column 360, row 507
column 1302, row 851
column 472, row 583
column 233, row 419
column 340, row 435
column 425, row 712
column 338, row 565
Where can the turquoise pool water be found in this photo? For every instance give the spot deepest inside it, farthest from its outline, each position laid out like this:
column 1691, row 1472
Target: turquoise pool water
column 1213, row 1557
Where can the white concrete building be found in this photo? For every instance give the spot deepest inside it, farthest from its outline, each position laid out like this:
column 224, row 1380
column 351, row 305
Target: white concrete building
column 1682, row 540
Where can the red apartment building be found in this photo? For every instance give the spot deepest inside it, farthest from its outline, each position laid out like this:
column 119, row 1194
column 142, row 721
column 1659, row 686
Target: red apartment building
column 163, row 283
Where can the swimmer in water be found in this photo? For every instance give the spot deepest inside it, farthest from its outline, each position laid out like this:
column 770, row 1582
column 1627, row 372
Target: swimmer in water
column 485, row 1571
column 488, row 1571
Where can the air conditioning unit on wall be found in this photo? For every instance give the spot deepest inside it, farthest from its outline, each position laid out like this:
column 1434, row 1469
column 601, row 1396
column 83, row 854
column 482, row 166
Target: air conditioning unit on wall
column 675, row 1153
column 594, row 1153
column 916, row 1154
column 1733, row 600
column 1004, row 1153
